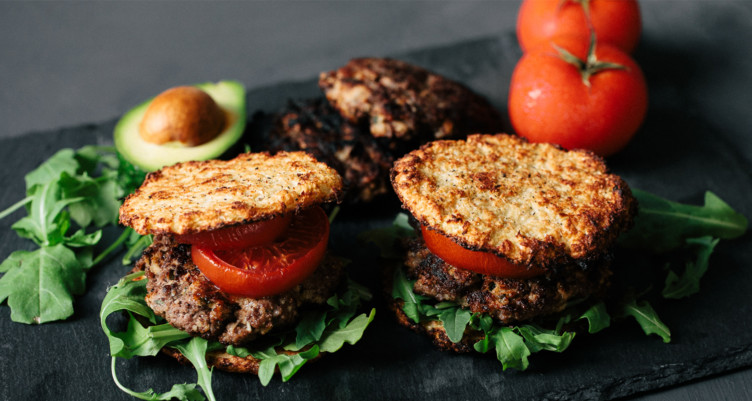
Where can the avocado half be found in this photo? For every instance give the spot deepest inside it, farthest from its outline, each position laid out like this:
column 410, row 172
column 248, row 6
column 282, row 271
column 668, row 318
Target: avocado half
column 229, row 95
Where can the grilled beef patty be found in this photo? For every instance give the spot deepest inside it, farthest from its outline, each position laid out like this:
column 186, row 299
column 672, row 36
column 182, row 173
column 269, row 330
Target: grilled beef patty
column 405, row 103
column 182, row 295
column 505, row 299
column 315, row 126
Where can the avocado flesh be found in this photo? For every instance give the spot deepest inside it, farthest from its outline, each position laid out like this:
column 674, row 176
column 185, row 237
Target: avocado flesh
column 229, row 95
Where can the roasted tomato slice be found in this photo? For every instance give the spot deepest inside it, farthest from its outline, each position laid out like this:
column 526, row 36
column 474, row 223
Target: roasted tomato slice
column 476, row 261
column 239, row 235
column 272, row 268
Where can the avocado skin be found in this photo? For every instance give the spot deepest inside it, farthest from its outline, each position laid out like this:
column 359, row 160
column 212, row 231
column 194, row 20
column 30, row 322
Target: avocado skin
column 230, row 95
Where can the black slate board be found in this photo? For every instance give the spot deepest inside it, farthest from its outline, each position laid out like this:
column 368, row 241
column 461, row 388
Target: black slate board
column 678, row 154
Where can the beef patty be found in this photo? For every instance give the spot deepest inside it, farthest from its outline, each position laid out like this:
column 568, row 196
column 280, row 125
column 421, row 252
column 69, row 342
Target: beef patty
column 507, row 300
column 406, row 103
column 315, row 126
column 182, row 295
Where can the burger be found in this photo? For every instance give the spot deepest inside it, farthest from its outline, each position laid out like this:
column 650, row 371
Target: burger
column 239, row 258
column 511, row 237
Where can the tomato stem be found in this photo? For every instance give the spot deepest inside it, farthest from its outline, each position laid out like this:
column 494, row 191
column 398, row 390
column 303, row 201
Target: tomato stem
column 591, row 65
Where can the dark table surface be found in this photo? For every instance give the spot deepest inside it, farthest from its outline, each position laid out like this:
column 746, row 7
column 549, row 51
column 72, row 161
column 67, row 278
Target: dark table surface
column 68, row 64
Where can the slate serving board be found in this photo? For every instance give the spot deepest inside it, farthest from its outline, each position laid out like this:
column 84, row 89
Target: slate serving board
column 678, row 154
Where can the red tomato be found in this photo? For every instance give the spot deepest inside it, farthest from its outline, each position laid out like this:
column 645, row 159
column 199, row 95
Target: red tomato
column 476, row 261
column 550, row 102
column 269, row 269
column 614, row 21
column 239, row 235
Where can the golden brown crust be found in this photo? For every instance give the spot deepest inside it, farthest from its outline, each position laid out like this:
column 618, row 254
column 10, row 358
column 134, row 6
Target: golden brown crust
column 531, row 203
column 197, row 196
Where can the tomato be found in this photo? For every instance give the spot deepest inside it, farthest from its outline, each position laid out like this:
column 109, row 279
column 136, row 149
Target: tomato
column 614, row 21
column 550, row 100
column 477, row 261
column 272, row 268
column 239, row 235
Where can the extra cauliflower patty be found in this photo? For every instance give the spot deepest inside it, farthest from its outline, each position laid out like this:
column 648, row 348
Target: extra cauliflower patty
column 182, row 295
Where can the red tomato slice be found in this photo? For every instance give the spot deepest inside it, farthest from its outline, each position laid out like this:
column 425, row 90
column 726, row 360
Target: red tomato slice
column 239, row 235
column 476, row 261
column 272, row 268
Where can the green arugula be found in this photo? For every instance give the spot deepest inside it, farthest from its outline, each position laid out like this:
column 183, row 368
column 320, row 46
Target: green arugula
column 141, row 339
column 146, row 334
column 184, row 392
column 324, row 331
column 597, row 317
column 195, row 351
column 39, row 284
column 513, row 344
column 645, row 315
column 663, row 225
column 688, row 283
column 72, row 188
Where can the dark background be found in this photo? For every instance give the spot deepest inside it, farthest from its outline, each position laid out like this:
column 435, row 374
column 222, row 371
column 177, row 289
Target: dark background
column 72, row 63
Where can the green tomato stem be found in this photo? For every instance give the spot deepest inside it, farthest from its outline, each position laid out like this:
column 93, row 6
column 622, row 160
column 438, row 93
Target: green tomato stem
column 590, row 67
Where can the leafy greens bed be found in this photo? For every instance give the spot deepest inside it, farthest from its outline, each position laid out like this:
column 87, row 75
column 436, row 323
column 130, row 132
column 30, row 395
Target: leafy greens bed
column 322, row 332
column 82, row 188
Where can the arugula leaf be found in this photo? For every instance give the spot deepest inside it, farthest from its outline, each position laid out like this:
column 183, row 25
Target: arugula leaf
column 91, row 158
column 511, row 350
column 310, row 328
column 539, row 339
column 402, row 289
column 195, row 351
column 99, row 198
column 39, row 284
column 455, row 320
column 62, row 161
column 689, row 283
column 183, row 392
column 597, row 317
column 662, row 225
column 47, row 222
column 647, row 318
column 288, row 364
column 81, row 239
column 334, row 338
column 138, row 340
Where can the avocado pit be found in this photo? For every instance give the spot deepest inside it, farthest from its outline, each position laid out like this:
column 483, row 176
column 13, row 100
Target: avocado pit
column 184, row 114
